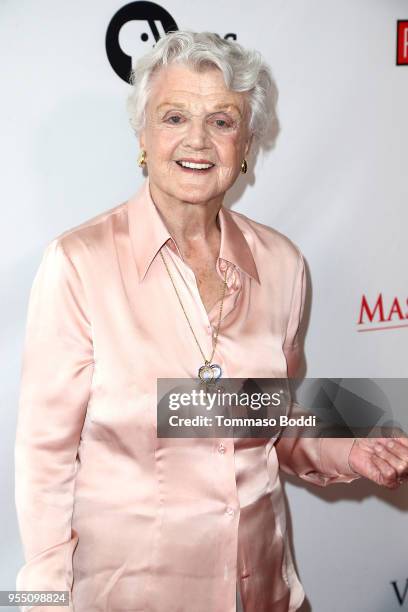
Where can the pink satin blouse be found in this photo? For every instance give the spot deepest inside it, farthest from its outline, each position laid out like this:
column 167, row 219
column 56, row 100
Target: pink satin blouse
column 125, row 521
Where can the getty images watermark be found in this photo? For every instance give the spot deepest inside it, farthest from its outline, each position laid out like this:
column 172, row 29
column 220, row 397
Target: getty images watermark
column 270, row 407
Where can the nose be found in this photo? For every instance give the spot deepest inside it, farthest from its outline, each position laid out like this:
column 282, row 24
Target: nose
column 197, row 136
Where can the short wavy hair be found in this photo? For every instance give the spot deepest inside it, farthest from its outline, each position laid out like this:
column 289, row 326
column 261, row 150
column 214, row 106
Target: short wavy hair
column 244, row 70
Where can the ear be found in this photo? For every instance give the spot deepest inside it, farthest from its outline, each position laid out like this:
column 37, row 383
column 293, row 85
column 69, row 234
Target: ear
column 142, row 140
column 248, row 144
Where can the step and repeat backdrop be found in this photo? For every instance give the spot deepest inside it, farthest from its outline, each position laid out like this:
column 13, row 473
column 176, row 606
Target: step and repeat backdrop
column 336, row 184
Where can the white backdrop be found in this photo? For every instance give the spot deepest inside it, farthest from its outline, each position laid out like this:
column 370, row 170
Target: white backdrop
column 336, row 184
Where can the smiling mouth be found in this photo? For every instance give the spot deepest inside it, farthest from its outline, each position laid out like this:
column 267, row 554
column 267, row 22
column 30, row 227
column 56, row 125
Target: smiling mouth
column 195, row 166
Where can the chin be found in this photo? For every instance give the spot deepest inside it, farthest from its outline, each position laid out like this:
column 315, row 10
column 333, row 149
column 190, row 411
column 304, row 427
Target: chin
column 194, row 193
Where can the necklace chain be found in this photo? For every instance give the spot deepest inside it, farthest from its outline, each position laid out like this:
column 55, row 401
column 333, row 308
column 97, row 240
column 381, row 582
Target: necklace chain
column 207, row 362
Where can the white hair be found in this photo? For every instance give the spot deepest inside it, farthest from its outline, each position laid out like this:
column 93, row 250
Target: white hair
column 244, row 70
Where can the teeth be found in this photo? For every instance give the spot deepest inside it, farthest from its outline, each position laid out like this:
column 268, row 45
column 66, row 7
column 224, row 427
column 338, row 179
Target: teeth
column 187, row 164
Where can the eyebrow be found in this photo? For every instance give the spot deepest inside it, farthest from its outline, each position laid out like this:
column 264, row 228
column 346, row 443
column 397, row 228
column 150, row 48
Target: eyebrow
column 221, row 106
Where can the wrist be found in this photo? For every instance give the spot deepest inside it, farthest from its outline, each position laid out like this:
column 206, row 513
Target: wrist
column 350, row 460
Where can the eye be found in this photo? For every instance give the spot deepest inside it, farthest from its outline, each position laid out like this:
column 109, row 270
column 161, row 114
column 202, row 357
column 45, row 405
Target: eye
column 224, row 123
column 176, row 117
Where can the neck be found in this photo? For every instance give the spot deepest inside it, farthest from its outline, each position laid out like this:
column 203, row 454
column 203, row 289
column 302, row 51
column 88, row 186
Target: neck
column 193, row 226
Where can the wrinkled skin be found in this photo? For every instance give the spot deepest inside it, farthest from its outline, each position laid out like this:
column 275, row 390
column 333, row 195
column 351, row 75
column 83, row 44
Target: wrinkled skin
column 382, row 460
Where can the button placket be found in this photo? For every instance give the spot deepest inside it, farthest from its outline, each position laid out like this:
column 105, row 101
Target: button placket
column 222, row 448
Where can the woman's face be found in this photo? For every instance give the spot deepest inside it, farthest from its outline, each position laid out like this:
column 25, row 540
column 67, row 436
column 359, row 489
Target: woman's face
column 192, row 116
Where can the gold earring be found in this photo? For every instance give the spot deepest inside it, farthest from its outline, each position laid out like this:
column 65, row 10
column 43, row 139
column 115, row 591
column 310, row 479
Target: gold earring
column 244, row 166
column 142, row 158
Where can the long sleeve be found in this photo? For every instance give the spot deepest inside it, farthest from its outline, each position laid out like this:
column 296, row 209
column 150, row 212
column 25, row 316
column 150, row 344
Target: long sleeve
column 56, row 375
column 321, row 461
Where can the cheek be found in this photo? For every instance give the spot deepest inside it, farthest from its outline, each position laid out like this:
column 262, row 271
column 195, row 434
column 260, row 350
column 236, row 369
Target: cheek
column 161, row 144
column 229, row 148
column 226, row 174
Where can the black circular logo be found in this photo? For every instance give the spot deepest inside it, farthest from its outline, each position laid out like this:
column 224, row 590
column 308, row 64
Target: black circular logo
column 152, row 18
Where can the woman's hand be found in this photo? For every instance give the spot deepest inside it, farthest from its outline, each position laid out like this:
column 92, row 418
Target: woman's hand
column 383, row 460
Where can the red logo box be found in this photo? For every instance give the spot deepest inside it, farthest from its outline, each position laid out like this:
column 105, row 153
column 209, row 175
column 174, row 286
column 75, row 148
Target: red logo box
column 402, row 42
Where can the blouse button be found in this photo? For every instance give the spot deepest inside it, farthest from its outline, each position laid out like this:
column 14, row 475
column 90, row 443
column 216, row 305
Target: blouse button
column 221, row 448
column 230, row 511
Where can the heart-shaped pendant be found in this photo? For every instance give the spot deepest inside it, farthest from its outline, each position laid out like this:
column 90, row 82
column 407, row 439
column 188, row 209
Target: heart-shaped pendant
column 209, row 372
column 217, row 370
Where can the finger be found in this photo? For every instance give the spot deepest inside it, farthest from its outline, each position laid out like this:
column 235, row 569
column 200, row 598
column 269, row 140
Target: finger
column 387, row 475
column 398, row 448
column 374, row 472
column 401, row 439
column 396, row 456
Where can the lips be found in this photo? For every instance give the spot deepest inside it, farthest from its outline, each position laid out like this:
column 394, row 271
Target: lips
column 195, row 165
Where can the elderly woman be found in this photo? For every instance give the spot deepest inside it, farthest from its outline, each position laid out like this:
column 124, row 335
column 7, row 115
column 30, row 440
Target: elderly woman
column 170, row 284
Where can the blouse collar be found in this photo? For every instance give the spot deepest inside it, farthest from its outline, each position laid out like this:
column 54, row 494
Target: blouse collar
column 148, row 233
